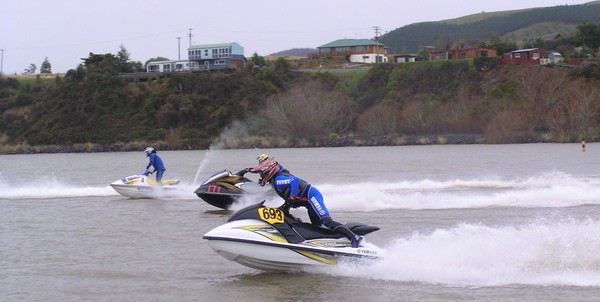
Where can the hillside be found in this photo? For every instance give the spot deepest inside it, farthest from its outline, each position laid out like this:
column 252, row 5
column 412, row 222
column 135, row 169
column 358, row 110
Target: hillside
column 93, row 109
column 517, row 25
column 295, row 52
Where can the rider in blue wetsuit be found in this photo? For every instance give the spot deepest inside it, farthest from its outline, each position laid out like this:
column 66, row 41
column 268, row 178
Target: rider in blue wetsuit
column 156, row 162
column 298, row 193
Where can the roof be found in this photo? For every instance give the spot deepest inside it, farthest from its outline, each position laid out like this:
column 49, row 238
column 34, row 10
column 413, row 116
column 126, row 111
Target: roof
column 351, row 42
column 526, row 50
column 218, row 45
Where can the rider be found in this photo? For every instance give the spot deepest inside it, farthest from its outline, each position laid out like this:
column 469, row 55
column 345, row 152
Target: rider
column 156, row 162
column 298, row 193
column 261, row 158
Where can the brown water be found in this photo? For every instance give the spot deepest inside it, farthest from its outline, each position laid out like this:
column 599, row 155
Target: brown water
column 485, row 223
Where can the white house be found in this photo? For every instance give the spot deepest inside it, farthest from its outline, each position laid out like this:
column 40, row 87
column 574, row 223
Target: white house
column 368, row 58
column 170, row 66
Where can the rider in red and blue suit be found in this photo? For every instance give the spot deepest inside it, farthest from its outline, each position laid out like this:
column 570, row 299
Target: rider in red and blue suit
column 298, row 193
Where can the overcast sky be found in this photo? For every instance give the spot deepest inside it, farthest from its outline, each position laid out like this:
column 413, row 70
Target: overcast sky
column 65, row 31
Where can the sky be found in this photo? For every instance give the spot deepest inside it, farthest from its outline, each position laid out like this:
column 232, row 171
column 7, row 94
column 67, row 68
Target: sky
column 65, row 31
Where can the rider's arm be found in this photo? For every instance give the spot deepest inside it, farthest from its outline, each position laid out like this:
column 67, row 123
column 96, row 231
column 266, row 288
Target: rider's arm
column 151, row 163
column 294, row 185
column 242, row 172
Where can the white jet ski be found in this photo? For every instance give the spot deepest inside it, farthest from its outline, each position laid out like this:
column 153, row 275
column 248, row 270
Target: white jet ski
column 140, row 186
column 267, row 239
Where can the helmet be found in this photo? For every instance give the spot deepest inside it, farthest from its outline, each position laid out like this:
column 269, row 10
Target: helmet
column 149, row 150
column 267, row 169
column 261, row 158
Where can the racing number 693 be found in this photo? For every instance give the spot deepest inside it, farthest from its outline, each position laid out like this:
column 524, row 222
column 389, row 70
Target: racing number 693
column 271, row 215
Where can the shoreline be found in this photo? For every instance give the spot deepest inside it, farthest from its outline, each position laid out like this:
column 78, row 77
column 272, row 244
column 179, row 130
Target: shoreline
column 264, row 143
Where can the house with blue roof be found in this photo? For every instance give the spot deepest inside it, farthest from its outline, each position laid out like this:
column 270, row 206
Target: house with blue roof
column 217, row 56
column 204, row 57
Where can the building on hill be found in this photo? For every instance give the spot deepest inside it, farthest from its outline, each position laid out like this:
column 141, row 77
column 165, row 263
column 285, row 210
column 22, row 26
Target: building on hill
column 204, row 57
column 217, row 56
column 355, row 51
column 462, row 54
column 169, row 66
column 406, row 58
column 529, row 56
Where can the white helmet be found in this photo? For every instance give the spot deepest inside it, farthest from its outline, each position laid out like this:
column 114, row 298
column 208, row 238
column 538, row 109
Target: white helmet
column 149, row 150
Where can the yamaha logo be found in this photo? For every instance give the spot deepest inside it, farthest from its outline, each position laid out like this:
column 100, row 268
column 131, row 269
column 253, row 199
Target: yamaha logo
column 284, row 182
column 370, row 252
column 315, row 202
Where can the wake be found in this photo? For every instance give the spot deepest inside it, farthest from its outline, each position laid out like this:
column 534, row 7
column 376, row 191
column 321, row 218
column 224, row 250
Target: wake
column 538, row 253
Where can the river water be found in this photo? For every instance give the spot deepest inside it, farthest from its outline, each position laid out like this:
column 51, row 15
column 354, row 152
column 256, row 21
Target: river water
column 460, row 222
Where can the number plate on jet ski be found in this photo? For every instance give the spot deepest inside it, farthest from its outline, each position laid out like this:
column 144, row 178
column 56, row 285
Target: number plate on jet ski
column 271, row 215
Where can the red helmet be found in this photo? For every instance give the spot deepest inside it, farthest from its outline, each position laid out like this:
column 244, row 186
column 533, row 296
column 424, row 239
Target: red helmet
column 267, row 169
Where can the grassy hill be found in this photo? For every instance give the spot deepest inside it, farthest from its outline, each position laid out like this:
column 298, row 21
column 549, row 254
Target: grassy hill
column 515, row 25
column 295, row 52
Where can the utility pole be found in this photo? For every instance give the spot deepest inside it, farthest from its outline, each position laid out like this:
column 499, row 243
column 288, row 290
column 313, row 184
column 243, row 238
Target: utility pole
column 2, row 62
column 190, row 36
column 376, row 28
column 179, row 48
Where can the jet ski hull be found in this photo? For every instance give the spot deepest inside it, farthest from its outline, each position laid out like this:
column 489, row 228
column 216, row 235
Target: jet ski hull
column 224, row 188
column 139, row 186
column 217, row 196
column 259, row 245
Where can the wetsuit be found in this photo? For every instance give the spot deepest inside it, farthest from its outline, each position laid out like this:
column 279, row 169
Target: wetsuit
column 159, row 166
column 298, row 193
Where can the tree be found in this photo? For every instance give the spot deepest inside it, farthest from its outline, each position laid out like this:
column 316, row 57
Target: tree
column 123, row 54
column 381, row 119
column 588, row 34
column 307, row 111
column 46, row 66
column 31, row 70
column 157, row 59
column 122, row 58
column 258, row 60
column 101, row 63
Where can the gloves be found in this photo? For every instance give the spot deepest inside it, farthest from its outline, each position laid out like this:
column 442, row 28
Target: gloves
column 285, row 207
column 293, row 201
column 242, row 172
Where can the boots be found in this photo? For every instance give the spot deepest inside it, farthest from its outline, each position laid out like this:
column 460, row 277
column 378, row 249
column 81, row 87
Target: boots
column 355, row 241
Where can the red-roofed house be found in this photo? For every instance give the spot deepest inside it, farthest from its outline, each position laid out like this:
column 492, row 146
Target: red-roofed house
column 532, row 56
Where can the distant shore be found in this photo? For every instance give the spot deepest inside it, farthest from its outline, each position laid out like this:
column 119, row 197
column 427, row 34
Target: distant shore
column 353, row 141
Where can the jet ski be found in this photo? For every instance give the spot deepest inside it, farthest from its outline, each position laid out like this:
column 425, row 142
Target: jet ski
column 140, row 186
column 223, row 188
column 270, row 240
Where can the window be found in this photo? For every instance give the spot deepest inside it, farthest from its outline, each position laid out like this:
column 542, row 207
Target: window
column 517, row 55
column 360, row 49
column 219, row 62
column 535, row 55
column 222, row 53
